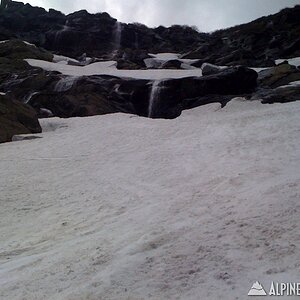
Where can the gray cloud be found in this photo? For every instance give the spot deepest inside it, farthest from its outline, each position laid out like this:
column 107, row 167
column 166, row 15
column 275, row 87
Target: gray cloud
column 207, row 15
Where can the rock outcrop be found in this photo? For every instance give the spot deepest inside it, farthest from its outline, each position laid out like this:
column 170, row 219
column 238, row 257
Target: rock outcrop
column 12, row 64
column 99, row 34
column 254, row 44
column 178, row 94
column 280, row 75
column 283, row 94
column 67, row 96
column 16, row 118
column 95, row 37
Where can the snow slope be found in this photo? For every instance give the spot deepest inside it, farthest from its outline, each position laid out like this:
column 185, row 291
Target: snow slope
column 124, row 207
column 292, row 61
column 171, row 56
column 109, row 68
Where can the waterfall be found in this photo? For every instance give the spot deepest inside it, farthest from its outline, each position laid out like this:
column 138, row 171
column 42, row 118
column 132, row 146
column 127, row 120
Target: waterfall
column 65, row 83
column 59, row 34
column 118, row 35
column 154, row 97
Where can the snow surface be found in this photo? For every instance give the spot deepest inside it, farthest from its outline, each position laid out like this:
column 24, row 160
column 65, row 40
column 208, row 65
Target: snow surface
column 124, row 207
column 171, row 56
column 2, row 94
column 29, row 44
column 260, row 69
column 109, row 68
column 292, row 61
column 165, row 56
column 63, row 59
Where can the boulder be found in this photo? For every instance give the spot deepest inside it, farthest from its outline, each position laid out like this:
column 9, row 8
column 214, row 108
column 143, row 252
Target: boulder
column 131, row 59
column 283, row 94
column 12, row 64
column 277, row 76
column 172, row 64
column 128, row 65
column 210, row 69
column 16, row 118
column 174, row 95
column 17, row 49
column 153, row 63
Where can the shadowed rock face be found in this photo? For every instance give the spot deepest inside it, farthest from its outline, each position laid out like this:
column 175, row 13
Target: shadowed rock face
column 13, row 68
column 51, row 93
column 96, row 95
column 94, row 34
column 179, row 94
column 67, row 96
column 254, row 44
column 16, row 118
column 279, row 75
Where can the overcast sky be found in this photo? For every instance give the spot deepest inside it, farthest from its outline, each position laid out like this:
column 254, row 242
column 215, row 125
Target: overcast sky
column 207, row 15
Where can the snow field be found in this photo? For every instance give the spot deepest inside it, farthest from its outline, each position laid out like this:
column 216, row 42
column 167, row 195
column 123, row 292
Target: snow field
column 124, row 207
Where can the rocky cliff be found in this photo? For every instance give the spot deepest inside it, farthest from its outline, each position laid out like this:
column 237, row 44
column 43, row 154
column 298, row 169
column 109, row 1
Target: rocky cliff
column 27, row 31
column 260, row 41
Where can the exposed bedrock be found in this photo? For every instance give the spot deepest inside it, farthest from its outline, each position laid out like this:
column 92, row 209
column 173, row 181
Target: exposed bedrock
column 67, row 96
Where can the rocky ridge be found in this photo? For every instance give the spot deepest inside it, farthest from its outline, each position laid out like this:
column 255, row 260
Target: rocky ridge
column 102, row 38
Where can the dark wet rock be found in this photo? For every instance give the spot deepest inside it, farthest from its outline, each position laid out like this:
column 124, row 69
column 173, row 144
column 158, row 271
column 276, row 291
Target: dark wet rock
column 282, row 94
column 200, row 52
column 212, row 98
column 128, row 65
column 198, row 64
column 97, row 33
column 12, row 65
column 66, row 96
column 280, row 75
column 24, row 89
column 243, row 57
column 210, row 69
column 177, row 94
column 256, row 44
column 27, row 137
column 17, row 49
column 16, row 118
column 84, row 96
column 45, row 113
column 172, row 64
column 155, row 63
column 83, row 35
